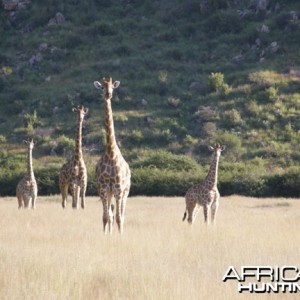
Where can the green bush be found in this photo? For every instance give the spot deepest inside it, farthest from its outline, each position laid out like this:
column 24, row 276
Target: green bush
column 244, row 184
column 158, row 182
column 64, row 144
column 253, row 108
column 284, row 185
column 32, row 120
column 8, row 182
column 224, row 21
column 47, row 180
column 231, row 118
column 164, row 160
column 271, row 93
column 233, row 143
column 136, row 137
column 217, row 84
column 102, row 28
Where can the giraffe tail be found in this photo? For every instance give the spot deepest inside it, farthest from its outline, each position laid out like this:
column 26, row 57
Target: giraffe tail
column 184, row 216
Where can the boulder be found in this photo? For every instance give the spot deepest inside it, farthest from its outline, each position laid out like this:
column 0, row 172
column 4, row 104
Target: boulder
column 144, row 102
column 198, row 87
column 14, row 5
column 10, row 5
column 57, row 20
column 35, row 59
column 43, row 47
column 264, row 29
column 274, row 47
column 261, row 5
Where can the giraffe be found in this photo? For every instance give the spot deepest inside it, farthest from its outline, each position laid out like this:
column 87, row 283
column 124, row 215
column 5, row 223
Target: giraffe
column 112, row 171
column 206, row 193
column 27, row 187
column 73, row 173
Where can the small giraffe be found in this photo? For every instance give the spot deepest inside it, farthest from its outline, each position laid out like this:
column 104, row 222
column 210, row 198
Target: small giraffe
column 112, row 171
column 73, row 173
column 206, row 193
column 27, row 187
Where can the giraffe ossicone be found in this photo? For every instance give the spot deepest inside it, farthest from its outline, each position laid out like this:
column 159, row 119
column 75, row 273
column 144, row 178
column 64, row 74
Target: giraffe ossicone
column 27, row 188
column 73, row 174
column 112, row 171
column 206, row 193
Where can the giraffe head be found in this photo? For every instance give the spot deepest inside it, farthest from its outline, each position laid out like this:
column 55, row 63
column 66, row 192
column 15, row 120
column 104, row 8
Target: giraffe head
column 30, row 143
column 217, row 149
column 81, row 111
column 107, row 86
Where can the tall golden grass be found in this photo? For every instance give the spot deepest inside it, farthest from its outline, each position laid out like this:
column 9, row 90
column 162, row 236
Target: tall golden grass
column 51, row 253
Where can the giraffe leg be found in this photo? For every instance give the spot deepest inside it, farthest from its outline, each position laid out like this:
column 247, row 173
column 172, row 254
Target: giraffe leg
column 34, row 196
column 214, row 210
column 196, row 211
column 20, row 200
column 110, row 212
column 82, row 194
column 26, row 199
column 75, row 194
column 123, row 205
column 119, row 217
column 191, row 214
column 206, row 210
column 64, row 194
column 106, row 197
column 105, row 214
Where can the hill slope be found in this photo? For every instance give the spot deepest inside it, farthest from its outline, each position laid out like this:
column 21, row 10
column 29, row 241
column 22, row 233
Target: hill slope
column 191, row 74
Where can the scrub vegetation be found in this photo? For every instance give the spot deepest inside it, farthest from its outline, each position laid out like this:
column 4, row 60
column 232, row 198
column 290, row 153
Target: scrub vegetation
column 191, row 75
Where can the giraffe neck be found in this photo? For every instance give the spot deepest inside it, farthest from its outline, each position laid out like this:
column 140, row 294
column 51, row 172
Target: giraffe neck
column 111, row 144
column 30, row 173
column 212, row 176
column 78, row 141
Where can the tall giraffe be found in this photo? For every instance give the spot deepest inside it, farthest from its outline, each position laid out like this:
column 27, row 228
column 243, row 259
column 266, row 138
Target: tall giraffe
column 112, row 171
column 206, row 193
column 27, row 187
column 73, row 173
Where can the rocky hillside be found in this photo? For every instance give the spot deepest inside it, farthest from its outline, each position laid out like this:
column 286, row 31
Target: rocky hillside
column 192, row 73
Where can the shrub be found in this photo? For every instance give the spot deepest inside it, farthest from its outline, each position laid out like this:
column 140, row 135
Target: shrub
column 123, row 50
column 253, row 108
column 64, row 145
column 217, row 84
column 136, row 136
column 190, row 141
column 167, row 161
column 47, row 180
column 242, row 185
column 268, row 78
column 231, row 118
column 163, row 76
column 154, row 182
column 209, row 129
column 284, row 185
column 206, row 114
column 102, row 28
column 31, row 120
column 224, row 22
column 2, row 139
column 233, row 143
column 8, row 182
column 271, row 93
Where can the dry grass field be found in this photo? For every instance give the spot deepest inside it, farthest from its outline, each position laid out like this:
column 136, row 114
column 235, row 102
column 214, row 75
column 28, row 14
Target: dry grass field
column 52, row 253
